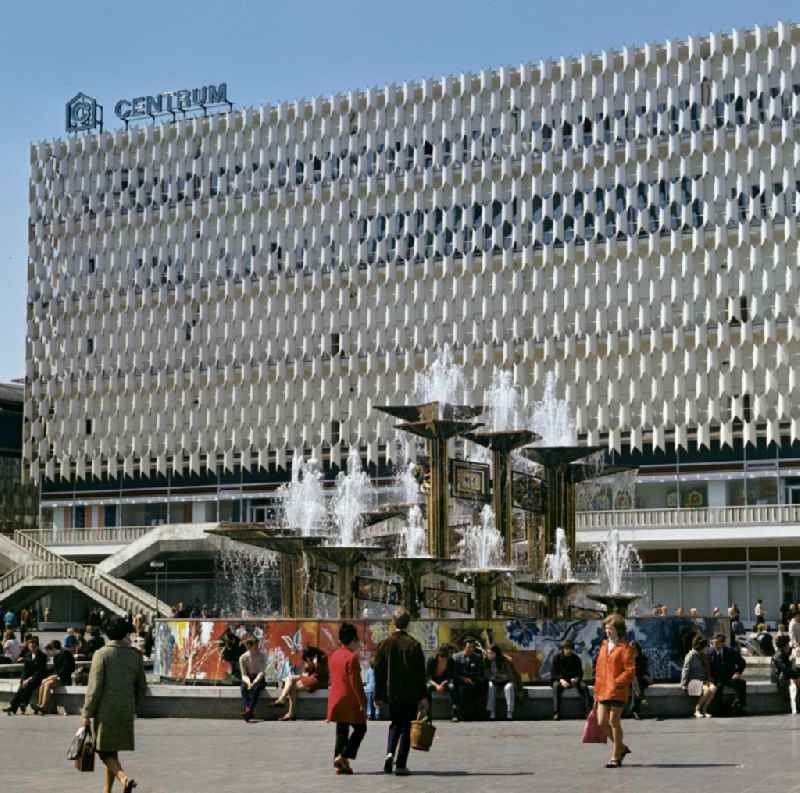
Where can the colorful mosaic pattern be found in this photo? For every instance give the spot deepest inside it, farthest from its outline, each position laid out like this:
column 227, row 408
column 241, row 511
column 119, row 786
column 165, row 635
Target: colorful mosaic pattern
column 189, row 650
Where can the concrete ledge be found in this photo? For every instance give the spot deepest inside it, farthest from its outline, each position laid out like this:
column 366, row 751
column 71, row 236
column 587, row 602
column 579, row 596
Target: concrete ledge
column 665, row 700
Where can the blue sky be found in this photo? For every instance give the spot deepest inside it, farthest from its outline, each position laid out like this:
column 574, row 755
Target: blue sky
column 268, row 51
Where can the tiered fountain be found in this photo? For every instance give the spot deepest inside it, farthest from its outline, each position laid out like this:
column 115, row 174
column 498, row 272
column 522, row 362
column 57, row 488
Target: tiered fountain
column 558, row 583
column 616, row 561
column 413, row 560
column 303, row 528
column 484, row 553
column 354, row 495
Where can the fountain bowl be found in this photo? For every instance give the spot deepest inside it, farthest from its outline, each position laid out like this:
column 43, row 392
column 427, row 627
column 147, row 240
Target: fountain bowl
column 432, row 411
column 554, row 589
column 615, row 602
column 372, row 517
column 484, row 572
column 558, row 455
column 280, row 540
column 503, row 441
column 345, row 554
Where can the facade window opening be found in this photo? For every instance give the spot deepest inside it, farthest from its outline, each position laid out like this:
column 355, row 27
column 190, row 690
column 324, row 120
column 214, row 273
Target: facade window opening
column 91, row 266
column 89, row 345
column 336, row 344
column 88, row 426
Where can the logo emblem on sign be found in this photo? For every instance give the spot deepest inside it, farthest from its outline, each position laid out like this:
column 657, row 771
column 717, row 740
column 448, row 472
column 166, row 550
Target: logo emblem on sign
column 83, row 114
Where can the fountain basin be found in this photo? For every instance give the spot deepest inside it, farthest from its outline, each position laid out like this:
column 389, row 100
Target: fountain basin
column 615, row 602
column 412, row 569
column 431, row 411
column 438, row 429
column 372, row 517
column 503, row 441
column 345, row 554
column 549, row 456
column 283, row 541
column 556, row 595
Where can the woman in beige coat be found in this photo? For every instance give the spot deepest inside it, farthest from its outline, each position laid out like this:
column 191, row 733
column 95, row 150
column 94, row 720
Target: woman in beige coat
column 116, row 689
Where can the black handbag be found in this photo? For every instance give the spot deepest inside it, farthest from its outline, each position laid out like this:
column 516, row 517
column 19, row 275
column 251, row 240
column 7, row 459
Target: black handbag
column 75, row 747
column 81, row 750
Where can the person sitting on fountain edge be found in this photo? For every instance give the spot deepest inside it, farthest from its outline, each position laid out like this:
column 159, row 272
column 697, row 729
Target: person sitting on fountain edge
column 440, row 673
column 314, row 677
column 470, row 685
column 567, row 672
column 501, row 673
column 252, row 668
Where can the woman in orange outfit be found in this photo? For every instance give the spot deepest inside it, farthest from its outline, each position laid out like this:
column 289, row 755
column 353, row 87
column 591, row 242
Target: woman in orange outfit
column 615, row 670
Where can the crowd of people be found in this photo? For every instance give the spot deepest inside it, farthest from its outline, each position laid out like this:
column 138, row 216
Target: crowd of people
column 709, row 669
column 400, row 683
column 61, row 663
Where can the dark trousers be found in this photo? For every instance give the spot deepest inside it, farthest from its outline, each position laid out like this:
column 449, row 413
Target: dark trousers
column 580, row 687
column 739, row 687
column 347, row 742
column 24, row 695
column 469, row 700
column 250, row 695
column 399, row 742
column 450, row 696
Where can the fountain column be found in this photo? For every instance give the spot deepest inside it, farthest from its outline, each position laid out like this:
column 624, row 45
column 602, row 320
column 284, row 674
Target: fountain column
column 502, row 443
column 292, row 586
column 559, row 511
column 438, row 499
column 484, row 602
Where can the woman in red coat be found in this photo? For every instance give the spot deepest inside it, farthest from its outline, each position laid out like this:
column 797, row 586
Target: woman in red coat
column 347, row 702
column 614, row 673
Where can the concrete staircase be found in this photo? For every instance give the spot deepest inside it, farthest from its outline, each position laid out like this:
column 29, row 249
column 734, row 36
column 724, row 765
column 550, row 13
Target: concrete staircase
column 169, row 538
column 40, row 568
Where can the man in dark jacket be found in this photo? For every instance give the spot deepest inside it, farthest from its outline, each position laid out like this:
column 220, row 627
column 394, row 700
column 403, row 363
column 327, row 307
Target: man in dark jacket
column 440, row 673
column 470, row 682
column 727, row 667
column 784, row 674
column 231, row 649
column 34, row 670
column 400, row 682
column 567, row 672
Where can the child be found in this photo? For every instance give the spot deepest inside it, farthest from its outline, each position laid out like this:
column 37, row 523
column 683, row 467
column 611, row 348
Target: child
column 369, row 689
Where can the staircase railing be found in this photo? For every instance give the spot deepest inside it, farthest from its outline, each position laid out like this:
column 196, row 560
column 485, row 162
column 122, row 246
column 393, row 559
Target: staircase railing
column 51, row 565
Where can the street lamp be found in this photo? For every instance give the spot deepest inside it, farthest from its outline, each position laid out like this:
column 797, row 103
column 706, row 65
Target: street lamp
column 157, row 566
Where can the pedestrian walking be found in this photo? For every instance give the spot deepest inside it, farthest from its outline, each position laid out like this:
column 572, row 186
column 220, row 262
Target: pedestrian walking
column 400, row 683
column 614, row 673
column 347, row 701
column 116, row 689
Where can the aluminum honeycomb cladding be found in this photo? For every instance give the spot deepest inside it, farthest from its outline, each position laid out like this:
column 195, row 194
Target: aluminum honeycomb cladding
column 627, row 220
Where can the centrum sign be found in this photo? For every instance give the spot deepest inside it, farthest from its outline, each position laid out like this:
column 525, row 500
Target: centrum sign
column 173, row 102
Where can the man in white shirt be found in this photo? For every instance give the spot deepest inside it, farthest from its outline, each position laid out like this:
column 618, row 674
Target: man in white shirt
column 794, row 630
column 11, row 647
column 759, row 613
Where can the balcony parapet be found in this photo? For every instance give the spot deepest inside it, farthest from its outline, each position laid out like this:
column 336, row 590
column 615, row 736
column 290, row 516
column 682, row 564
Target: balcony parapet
column 680, row 518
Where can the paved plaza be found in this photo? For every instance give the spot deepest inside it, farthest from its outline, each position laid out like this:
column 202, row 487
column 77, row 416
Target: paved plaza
column 196, row 756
